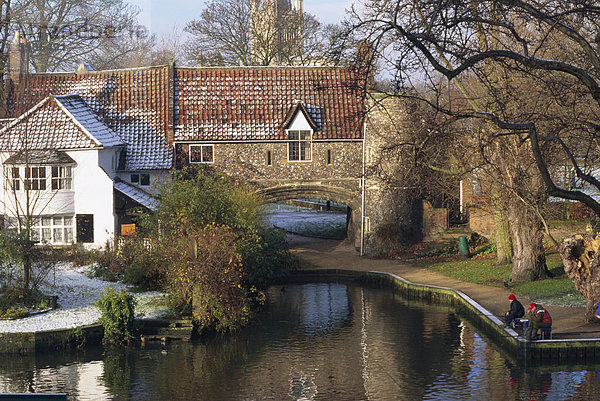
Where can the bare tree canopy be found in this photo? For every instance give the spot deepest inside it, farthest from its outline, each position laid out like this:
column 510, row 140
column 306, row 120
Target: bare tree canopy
column 64, row 33
column 239, row 32
column 554, row 42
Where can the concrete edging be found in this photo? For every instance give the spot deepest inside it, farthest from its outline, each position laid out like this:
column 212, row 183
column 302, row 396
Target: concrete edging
column 30, row 342
column 506, row 341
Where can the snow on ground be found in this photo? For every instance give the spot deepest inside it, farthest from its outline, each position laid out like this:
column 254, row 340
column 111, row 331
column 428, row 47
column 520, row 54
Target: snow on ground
column 77, row 294
column 298, row 220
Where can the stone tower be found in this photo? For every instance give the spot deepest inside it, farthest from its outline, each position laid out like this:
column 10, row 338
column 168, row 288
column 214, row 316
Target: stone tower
column 276, row 31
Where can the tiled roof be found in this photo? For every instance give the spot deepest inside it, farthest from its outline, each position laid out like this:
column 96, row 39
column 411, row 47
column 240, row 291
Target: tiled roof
column 46, row 126
column 81, row 113
column 39, row 157
column 208, row 104
column 135, row 193
column 133, row 103
column 215, row 104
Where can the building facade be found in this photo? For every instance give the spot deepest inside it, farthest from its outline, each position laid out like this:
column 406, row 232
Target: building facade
column 292, row 132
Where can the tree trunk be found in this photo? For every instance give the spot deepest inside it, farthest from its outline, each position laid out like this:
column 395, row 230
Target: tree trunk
column 529, row 260
column 504, row 250
column 582, row 265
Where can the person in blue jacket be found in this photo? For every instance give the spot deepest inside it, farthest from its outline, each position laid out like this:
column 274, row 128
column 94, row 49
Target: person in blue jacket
column 516, row 310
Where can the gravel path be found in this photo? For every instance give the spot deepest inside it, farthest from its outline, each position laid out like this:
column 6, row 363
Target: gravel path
column 77, row 294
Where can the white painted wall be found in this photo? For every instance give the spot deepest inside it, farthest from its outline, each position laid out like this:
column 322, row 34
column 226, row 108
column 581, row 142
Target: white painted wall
column 157, row 177
column 93, row 192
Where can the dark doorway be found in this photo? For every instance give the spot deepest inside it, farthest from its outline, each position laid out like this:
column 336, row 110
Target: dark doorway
column 85, row 227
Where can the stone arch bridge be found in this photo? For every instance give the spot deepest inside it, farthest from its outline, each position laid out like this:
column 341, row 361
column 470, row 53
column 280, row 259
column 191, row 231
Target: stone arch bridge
column 352, row 199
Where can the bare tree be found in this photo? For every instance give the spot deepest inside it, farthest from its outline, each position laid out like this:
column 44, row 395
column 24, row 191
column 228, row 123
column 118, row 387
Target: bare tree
column 63, row 33
column 554, row 44
column 29, row 190
column 239, row 32
column 140, row 50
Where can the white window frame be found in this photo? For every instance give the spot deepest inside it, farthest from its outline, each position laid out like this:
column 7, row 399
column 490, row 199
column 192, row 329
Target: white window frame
column 47, row 229
column 33, row 181
column 14, row 177
column 300, row 142
column 27, row 178
column 140, row 177
column 63, row 179
column 201, row 148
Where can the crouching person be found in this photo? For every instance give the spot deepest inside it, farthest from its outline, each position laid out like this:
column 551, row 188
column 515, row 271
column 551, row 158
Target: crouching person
column 516, row 310
column 539, row 318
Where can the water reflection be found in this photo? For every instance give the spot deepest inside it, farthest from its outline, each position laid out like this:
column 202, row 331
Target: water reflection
column 312, row 342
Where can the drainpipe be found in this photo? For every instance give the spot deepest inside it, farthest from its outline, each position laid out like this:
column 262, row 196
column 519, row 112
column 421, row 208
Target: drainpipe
column 461, row 199
column 362, row 207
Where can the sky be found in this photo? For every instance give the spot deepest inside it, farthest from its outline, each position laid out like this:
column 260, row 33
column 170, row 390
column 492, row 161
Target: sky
column 162, row 16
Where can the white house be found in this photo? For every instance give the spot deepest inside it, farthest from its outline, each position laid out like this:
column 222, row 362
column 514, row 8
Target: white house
column 77, row 176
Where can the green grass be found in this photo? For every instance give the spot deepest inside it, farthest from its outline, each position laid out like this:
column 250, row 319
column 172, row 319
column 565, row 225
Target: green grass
column 558, row 290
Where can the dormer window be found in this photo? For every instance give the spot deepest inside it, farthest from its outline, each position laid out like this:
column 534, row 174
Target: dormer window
column 299, row 145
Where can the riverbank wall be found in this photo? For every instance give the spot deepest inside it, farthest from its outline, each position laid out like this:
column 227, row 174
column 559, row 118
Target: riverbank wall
column 30, row 342
column 78, row 337
column 506, row 341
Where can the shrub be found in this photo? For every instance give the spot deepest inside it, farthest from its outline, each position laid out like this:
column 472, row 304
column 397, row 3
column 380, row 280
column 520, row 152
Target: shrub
column 131, row 261
column 15, row 313
column 266, row 257
column 118, row 310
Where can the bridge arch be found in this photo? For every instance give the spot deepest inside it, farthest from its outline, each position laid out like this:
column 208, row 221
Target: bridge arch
column 326, row 192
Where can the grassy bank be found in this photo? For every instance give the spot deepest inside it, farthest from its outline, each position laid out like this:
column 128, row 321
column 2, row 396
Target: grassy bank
column 558, row 290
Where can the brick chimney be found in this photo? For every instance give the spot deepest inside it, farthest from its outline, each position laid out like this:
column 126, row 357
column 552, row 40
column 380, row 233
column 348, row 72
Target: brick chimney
column 18, row 59
column 365, row 61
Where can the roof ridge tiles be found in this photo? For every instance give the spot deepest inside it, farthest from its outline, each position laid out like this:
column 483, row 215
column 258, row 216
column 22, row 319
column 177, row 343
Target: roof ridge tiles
column 99, row 72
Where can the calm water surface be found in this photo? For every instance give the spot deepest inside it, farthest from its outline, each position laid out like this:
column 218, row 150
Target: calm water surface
column 312, row 342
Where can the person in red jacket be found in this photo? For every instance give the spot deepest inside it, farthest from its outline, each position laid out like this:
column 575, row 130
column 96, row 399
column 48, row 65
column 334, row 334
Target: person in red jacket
column 539, row 318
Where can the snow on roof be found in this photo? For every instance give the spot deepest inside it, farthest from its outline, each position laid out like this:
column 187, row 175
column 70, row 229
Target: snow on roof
column 89, row 121
column 135, row 193
column 216, row 104
column 46, row 126
column 133, row 103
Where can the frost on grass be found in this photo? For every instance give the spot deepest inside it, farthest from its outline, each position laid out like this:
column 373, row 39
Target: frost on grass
column 308, row 222
column 77, row 294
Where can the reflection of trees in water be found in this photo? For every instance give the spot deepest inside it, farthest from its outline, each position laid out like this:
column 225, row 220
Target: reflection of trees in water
column 119, row 368
column 49, row 372
column 404, row 349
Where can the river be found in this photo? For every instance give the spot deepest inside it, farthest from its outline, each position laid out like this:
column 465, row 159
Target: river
column 311, row 342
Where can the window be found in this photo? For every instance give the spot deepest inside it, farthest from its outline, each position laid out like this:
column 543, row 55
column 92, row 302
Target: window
column 35, row 178
column 299, row 146
column 15, row 180
column 269, row 160
column 57, row 230
column 62, row 177
column 144, row 179
column 201, row 153
column 141, row 179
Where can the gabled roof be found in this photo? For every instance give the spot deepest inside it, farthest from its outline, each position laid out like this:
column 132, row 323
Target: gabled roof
column 133, row 103
column 57, row 123
column 214, row 104
column 135, row 193
column 291, row 116
column 150, row 108
column 81, row 114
